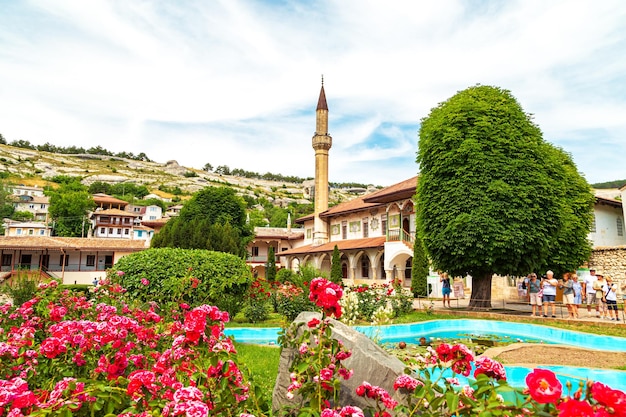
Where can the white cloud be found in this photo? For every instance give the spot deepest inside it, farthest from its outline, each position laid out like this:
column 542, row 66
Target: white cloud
column 236, row 82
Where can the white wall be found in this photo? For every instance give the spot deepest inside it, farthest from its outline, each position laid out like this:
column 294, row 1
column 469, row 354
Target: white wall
column 606, row 233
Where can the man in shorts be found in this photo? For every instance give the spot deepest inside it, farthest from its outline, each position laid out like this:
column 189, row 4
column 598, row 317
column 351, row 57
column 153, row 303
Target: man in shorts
column 590, row 293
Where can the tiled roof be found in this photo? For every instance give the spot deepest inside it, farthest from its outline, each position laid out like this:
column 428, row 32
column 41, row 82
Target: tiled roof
column 342, row 245
column 608, row 201
column 58, row 243
column 115, row 212
column 399, row 191
column 104, row 198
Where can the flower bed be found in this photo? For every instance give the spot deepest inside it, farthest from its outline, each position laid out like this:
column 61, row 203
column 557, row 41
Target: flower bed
column 65, row 354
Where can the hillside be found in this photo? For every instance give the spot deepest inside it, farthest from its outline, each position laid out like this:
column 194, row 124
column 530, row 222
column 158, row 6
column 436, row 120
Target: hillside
column 32, row 167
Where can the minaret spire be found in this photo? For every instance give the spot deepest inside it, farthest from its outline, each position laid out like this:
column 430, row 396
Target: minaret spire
column 322, row 143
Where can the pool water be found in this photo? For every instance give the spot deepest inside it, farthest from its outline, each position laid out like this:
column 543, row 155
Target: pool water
column 462, row 328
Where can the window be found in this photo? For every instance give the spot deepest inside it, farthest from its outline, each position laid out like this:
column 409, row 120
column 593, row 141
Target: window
column 18, row 231
column 110, row 230
column 6, row 259
column 365, row 267
column 126, row 231
column 66, row 258
column 91, row 260
column 31, row 232
column 366, row 228
column 383, row 224
column 255, row 251
column 620, row 227
column 102, row 230
column 119, row 231
column 139, row 233
column 593, row 224
column 42, row 232
column 344, row 230
column 126, row 220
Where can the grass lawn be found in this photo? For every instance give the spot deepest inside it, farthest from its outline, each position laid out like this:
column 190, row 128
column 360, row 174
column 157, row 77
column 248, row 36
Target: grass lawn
column 262, row 361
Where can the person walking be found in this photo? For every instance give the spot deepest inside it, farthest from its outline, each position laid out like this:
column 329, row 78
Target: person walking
column 445, row 288
column 533, row 292
column 549, row 294
column 568, row 294
column 578, row 288
column 600, row 287
column 610, row 295
column 590, row 292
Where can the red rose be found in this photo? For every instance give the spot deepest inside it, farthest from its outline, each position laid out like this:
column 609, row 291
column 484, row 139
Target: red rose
column 575, row 408
column 543, row 385
column 489, row 367
column 609, row 397
column 313, row 322
column 444, row 352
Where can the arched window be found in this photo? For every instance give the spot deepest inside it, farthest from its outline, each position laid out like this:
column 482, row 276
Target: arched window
column 344, row 270
column 365, row 267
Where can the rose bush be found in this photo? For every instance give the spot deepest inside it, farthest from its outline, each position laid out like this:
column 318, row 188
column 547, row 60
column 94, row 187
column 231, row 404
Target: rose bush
column 101, row 356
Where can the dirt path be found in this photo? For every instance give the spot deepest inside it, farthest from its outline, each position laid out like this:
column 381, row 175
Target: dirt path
column 537, row 354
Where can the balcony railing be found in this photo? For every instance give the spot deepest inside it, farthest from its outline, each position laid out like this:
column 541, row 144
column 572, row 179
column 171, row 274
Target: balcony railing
column 399, row 235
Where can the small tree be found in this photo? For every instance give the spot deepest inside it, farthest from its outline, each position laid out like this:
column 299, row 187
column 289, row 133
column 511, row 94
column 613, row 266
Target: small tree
column 270, row 266
column 335, row 270
column 419, row 270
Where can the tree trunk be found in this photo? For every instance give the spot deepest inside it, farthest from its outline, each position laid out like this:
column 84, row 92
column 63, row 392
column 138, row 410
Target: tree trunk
column 481, row 292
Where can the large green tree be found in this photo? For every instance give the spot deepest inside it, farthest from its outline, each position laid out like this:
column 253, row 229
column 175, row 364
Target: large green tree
column 493, row 197
column 69, row 208
column 214, row 219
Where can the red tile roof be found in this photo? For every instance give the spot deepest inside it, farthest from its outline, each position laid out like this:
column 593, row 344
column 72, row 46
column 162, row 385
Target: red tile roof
column 76, row 243
column 365, row 243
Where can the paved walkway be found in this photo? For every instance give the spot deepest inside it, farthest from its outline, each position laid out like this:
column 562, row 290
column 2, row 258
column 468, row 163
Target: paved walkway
column 519, row 308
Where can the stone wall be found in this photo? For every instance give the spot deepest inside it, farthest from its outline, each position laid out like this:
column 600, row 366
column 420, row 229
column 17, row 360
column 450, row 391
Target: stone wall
column 611, row 261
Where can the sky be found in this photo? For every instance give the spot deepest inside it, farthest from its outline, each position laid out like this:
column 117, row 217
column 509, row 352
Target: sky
column 236, row 82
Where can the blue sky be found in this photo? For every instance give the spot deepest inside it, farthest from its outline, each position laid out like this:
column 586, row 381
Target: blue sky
column 236, row 82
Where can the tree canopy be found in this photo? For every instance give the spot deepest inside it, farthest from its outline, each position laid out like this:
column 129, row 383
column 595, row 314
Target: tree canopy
column 214, row 219
column 69, row 206
column 493, row 196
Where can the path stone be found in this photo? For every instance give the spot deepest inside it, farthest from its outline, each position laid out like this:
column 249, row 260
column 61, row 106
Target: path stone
column 369, row 361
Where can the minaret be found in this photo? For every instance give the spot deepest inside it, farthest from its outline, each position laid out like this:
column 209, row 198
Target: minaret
column 321, row 143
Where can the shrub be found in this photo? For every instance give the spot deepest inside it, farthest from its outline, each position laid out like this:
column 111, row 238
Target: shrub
column 20, row 288
column 191, row 276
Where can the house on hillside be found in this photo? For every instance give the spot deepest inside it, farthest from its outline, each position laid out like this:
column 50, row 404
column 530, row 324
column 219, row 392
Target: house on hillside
column 147, row 213
column 105, row 201
column 73, row 260
column 26, row 190
column 32, row 229
column 113, row 223
column 37, row 205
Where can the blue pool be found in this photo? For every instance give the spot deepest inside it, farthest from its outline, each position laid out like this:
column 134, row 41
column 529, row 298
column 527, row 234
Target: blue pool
column 460, row 329
column 456, row 329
